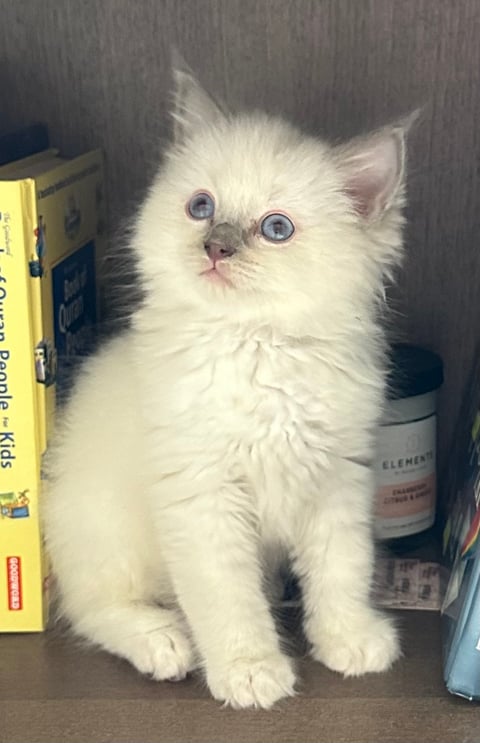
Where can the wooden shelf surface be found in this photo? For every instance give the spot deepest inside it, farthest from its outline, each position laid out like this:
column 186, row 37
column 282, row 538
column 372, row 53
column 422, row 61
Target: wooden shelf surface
column 52, row 690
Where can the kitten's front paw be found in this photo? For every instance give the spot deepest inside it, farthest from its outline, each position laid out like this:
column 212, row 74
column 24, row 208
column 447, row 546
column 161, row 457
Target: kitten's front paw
column 358, row 648
column 253, row 682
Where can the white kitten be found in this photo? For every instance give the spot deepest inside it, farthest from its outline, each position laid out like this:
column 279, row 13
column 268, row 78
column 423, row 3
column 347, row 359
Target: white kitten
column 237, row 417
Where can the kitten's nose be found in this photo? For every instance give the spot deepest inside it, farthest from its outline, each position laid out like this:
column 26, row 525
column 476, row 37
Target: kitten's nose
column 223, row 241
column 218, row 251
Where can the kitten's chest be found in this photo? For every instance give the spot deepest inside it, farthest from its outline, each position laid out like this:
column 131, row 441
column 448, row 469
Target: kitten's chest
column 288, row 431
column 279, row 398
column 273, row 406
column 250, row 391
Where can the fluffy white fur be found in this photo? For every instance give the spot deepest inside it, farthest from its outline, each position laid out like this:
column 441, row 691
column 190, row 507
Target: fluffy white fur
column 236, row 421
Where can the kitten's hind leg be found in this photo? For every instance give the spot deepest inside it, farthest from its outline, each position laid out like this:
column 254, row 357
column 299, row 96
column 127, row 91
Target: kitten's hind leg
column 155, row 640
column 111, row 583
column 118, row 610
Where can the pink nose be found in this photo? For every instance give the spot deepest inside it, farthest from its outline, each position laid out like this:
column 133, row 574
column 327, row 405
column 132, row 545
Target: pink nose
column 218, row 251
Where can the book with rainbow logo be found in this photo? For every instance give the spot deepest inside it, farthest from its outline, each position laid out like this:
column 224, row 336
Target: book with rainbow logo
column 461, row 550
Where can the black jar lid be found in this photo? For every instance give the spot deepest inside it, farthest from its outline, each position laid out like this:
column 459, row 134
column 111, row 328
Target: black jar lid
column 414, row 371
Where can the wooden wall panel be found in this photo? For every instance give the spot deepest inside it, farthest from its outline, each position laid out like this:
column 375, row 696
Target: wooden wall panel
column 98, row 72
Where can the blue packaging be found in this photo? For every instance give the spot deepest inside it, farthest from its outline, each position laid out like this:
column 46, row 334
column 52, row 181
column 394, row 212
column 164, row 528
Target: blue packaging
column 461, row 551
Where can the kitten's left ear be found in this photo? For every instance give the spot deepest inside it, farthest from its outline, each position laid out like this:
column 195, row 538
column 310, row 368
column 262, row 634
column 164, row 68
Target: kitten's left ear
column 192, row 105
column 373, row 169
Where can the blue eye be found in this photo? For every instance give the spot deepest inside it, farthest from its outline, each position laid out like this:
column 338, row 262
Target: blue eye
column 201, row 206
column 277, row 227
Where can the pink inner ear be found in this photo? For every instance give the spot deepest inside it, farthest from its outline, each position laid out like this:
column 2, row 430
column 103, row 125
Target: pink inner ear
column 373, row 173
column 363, row 192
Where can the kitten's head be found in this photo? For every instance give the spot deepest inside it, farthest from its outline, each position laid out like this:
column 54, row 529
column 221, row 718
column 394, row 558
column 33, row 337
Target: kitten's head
column 252, row 219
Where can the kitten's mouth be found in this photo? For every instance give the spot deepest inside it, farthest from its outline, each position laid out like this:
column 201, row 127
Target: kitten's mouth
column 213, row 275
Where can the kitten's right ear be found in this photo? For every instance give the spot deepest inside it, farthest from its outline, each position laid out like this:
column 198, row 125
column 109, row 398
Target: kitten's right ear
column 192, row 105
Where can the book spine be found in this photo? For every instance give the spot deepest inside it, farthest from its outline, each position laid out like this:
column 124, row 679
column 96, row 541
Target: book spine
column 35, row 260
column 21, row 605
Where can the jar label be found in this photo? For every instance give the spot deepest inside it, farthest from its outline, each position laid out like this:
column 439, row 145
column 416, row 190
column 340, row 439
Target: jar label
column 406, row 491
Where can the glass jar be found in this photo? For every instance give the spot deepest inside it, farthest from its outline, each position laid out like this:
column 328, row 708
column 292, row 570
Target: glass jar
column 406, row 452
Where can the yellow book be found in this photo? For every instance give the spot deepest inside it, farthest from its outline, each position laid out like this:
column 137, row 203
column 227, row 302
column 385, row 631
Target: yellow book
column 51, row 238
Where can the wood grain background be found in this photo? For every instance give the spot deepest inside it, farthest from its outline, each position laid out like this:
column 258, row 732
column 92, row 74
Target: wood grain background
column 97, row 71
